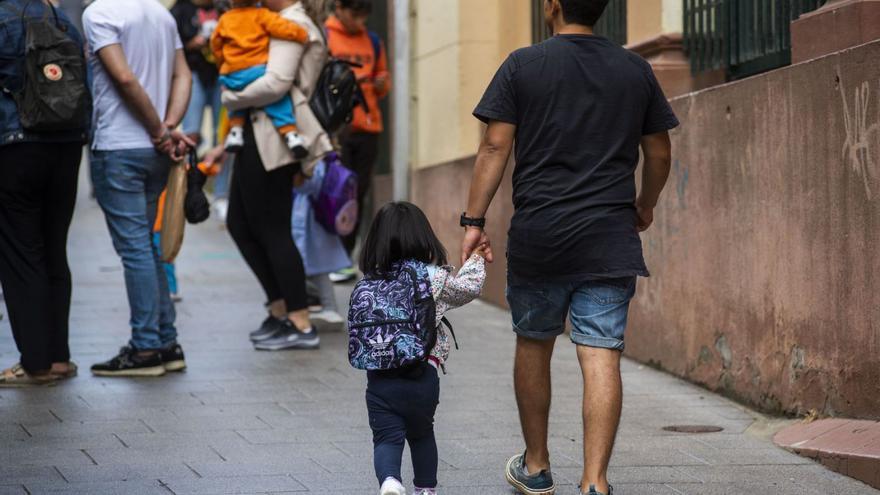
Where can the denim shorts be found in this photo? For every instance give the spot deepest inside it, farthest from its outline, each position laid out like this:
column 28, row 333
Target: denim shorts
column 597, row 309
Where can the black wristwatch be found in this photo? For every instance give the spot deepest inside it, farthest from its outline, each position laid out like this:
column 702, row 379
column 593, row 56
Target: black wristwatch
column 467, row 221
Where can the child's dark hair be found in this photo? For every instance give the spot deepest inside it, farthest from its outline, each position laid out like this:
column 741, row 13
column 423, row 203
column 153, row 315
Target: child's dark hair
column 401, row 231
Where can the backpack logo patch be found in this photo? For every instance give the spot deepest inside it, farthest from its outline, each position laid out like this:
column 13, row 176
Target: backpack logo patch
column 53, row 72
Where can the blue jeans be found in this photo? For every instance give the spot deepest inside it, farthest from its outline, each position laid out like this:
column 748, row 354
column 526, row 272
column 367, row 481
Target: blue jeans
column 127, row 186
column 202, row 96
column 280, row 112
column 401, row 409
column 598, row 310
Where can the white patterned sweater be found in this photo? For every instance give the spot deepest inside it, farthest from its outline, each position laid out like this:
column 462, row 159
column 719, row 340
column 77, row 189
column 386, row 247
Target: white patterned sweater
column 452, row 291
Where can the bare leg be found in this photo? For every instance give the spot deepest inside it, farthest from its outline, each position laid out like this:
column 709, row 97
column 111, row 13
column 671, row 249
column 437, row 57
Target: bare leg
column 531, row 377
column 301, row 320
column 603, row 397
column 277, row 308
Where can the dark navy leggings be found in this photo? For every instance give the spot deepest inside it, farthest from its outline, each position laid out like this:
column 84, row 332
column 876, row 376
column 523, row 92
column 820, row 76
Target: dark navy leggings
column 401, row 408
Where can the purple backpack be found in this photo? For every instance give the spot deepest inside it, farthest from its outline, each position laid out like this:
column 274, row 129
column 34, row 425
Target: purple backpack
column 335, row 205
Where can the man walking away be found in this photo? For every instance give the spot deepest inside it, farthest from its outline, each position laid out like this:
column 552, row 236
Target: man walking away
column 348, row 39
column 578, row 107
column 141, row 90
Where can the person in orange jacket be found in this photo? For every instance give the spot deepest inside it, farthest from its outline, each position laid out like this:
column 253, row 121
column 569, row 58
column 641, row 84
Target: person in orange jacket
column 348, row 39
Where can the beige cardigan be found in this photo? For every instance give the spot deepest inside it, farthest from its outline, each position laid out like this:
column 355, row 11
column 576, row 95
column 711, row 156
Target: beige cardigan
column 293, row 68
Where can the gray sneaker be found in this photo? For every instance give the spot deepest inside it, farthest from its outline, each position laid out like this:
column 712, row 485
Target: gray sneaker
column 270, row 327
column 593, row 491
column 290, row 338
column 529, row 484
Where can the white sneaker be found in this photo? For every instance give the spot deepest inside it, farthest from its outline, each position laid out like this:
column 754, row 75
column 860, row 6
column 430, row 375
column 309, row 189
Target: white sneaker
column 234, row 140
column 221, row 207
column 425, row 491
column 327, row 316
column 392, row 487
column 296, row 144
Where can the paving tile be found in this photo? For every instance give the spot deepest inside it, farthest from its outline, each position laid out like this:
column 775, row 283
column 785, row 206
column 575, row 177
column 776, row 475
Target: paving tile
column 249, row 484
column 138, row 487
column 21, row 474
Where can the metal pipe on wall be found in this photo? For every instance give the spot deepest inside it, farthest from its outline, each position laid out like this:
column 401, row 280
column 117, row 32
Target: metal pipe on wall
column 400, row 101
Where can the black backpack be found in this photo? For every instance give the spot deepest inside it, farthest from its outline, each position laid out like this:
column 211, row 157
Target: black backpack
column 336, row 95
column 54, row 95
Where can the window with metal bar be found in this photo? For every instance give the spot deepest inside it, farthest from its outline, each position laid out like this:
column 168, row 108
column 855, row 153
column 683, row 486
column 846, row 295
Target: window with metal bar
column 612, row 24
column 742, row 37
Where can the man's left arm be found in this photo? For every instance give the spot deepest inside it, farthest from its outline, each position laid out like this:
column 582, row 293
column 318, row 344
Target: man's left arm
column 181, row 87
column 489, row 167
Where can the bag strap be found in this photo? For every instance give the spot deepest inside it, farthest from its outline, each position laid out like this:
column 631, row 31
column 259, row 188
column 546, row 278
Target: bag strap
column 448, row 325
column 377, row 48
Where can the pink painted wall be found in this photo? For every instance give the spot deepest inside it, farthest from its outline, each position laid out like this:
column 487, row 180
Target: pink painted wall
column 766, row 251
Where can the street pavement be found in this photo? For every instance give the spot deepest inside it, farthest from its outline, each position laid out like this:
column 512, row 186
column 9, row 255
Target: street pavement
column 241, row 421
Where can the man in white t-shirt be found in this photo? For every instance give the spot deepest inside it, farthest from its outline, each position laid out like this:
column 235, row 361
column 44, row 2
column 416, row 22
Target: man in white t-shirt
column 141, row 90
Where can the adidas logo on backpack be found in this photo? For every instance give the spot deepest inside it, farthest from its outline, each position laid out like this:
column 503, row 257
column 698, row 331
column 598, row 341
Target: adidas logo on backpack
column 391, row 319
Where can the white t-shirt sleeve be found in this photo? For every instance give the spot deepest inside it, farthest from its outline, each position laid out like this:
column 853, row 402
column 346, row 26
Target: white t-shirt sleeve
column 102, row 28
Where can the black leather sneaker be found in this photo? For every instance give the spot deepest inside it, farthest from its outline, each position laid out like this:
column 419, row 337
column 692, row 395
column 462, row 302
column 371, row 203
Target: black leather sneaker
column 129, row 363
column 172, row 358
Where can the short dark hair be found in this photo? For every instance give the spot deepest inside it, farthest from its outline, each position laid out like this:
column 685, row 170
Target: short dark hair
column 400, row 232
column 361, row 6
column 583, row 12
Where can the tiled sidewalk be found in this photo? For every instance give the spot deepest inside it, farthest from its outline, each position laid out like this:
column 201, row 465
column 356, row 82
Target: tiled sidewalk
column 238, row 421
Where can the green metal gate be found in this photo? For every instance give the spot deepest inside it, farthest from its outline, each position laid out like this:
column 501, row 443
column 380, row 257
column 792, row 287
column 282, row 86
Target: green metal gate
column 612, row 24
column 743, row 37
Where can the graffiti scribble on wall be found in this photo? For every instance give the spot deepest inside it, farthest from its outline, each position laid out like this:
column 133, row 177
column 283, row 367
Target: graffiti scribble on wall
column 857, row 150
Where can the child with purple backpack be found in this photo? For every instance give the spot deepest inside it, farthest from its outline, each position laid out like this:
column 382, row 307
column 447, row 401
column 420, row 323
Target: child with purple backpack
column 396, row 335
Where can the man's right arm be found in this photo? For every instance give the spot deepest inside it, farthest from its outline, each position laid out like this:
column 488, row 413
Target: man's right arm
column 113, row 59
column 657, row 151
column 489, row 169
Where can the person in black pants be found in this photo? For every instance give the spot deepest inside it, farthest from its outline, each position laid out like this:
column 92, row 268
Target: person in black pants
column 38, row 178
column 359, row 153
column 401, row 406
column 37, row 196
column 260, row 206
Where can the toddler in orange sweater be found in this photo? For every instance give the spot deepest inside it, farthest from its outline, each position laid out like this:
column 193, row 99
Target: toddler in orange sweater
column 241, row 46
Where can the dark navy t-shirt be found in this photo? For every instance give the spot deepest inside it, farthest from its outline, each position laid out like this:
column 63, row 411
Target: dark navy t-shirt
column 581, row 105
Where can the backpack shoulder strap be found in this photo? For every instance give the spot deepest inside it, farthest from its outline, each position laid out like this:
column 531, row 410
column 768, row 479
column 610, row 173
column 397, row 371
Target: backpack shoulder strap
column 377, row 47
column 445, row 321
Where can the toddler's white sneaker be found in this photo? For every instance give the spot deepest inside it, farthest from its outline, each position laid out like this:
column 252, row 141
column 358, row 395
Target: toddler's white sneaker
column 425, row 491
column 392, row 486
column 296, row 144
column 234, row 140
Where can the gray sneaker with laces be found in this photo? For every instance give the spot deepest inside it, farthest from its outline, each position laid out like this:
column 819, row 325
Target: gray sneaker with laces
column 528, row 484
column 290, row 337
column 593, row 491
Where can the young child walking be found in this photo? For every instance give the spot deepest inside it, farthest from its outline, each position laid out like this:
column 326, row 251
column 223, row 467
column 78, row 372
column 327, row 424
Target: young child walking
column 407, row 288
column 240, row 44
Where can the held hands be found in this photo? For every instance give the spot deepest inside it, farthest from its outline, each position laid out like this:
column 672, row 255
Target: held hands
column 476, row 242
column 173, row 143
